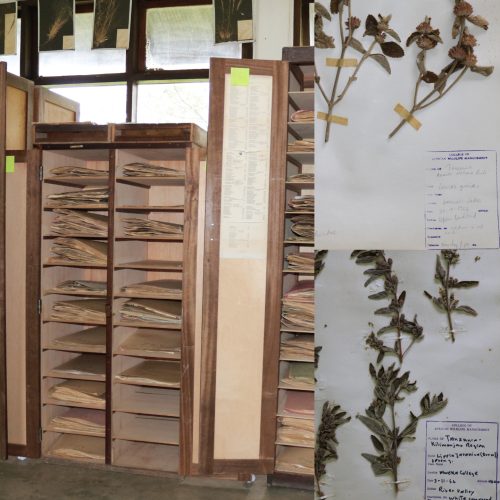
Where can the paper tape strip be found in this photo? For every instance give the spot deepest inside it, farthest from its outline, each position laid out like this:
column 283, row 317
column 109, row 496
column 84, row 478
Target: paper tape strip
column 406, row 115
column 344, row 63
column 339, row 120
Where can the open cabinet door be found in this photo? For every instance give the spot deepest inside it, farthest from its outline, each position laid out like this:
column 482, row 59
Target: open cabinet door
column 3, row 369
column 243, row 247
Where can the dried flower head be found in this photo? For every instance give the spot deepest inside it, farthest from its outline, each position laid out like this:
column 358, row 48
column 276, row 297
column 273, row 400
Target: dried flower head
column 425, row 36
column 353, row 23
column 463, row 9
column 458, row 53
column 469, row 40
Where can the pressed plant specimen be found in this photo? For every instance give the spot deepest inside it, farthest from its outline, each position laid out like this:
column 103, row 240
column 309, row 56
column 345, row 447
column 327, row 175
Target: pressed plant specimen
column 377, row 29
column 62, row 11
column 227, row 13
column 463, row 59
column 391, row 384
column 446, row 300
column 104, row 18
column 332, row 417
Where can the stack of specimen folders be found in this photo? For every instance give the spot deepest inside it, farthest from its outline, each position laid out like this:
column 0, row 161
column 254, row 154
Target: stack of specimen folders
column 303, row 202
column 75, row 226
column 140, row 169
column 142, row 227
column 298, row 307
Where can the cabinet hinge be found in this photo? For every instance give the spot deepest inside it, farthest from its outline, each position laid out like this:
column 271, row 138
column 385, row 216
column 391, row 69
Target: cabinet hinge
column 40, row 173
column 39, row 306
column 40, row 435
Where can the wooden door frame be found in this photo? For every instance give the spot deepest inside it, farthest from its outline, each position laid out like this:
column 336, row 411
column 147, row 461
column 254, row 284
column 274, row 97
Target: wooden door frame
column 265, row 463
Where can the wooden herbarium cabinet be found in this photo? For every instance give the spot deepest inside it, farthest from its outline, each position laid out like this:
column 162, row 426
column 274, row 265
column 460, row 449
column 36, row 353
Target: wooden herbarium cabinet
column 118, row 249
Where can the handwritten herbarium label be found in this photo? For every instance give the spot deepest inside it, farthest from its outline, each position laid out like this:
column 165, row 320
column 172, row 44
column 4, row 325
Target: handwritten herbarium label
column 461, row 461
column 461, row 200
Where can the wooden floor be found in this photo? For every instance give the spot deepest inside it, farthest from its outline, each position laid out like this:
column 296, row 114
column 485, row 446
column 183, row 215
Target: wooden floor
column 37, row 480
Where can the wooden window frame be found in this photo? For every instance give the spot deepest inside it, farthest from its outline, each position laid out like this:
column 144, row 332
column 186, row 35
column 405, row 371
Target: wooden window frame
column 135, row 71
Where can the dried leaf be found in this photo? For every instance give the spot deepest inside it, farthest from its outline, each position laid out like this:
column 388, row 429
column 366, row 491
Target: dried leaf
column 322, row 11
column 392, row 33
column 412, row 38
column 335, row 6
column 377, row 443
column 421, row 62
column 357, row 45
column 371, row 26
column 379, row 427
column 464, row 284
column 483, row 70
column 382, row 60
column 378, row 296
column 430, row 77
column 466, row 310
column 392, row 49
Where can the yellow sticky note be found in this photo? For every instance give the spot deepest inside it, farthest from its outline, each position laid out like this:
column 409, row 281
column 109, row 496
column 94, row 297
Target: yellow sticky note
column 9, row 164
column 240, row 76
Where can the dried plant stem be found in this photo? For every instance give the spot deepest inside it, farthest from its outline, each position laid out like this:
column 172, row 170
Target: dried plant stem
column 448, row 302
column 353, row 77
column 422, row 104
column 345, row 44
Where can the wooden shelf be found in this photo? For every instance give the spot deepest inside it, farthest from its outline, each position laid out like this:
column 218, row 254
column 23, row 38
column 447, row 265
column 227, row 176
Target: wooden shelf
column 303, row 130
column 280, row 386
column 90, row 206
column 296, row 330
column 146, row 456
column 67, row 263
column 301, row 157
column 124, row 295
column 150, row 238
column 299, row 243
column 146, row 429
column 156, row 326
column 147, row 401
column 299, row 212
column 96, row 180
column 149, row 208
column 78, row 294
column 94, row 323
column 90, row 406
column 300, row 360
column 150, row 181
column 152, row 265
column 302, row 99
column 295, row 271
column 74, row 235
column 294, row 445
column 298, row 186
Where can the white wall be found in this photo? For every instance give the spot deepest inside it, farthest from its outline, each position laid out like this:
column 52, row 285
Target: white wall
column 273, row 27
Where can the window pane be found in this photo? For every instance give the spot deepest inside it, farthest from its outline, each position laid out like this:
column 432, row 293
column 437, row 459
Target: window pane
column 173, row 103
column 183, row 38
column 82, row 60
column 98, row 103
column 14, row 61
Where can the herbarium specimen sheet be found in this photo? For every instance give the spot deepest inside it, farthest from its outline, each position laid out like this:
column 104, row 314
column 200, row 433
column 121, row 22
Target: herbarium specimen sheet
column 407, row 128
column 421, row 391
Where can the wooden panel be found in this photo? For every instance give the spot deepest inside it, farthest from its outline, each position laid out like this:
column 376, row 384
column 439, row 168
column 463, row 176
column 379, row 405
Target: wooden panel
column 197, row 372
column 54, row 108
column 15, row 213
column 213, row 271
column 240, row 350
column 17, row 102
column 3, row 374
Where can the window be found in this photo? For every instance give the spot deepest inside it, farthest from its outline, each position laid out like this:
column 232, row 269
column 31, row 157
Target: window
column 183, row 38
column 82, row 60
column 98, row 103
column 14, row 61
column 173, row 103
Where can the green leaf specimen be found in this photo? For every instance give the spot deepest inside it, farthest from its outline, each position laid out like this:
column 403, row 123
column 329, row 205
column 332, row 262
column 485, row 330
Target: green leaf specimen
column 446, row 301
column 463, row 58
column 391, row 384
column 376, row 28
column 332, row 417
